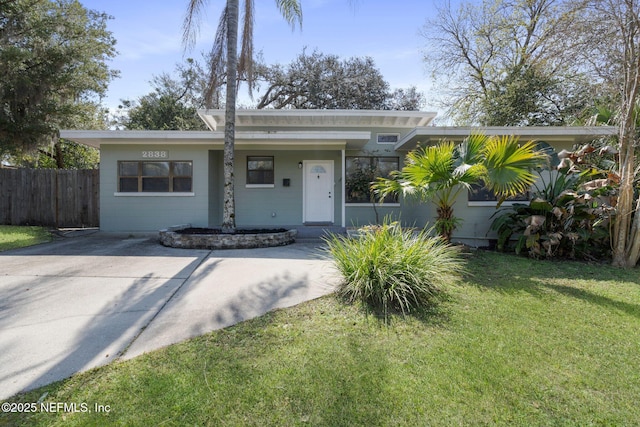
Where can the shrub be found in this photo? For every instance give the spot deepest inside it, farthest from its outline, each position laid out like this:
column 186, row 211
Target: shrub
column 391, row 269
column 562, row 221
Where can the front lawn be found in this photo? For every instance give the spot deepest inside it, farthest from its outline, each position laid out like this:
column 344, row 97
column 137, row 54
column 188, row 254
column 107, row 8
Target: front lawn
column 13, row 236
column 519, row 342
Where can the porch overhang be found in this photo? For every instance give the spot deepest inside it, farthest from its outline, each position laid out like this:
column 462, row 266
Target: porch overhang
column 555, row 135
column 265, row 140
column 267, row 119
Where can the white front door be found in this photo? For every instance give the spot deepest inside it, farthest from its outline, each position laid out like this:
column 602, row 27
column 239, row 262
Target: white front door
column 318, row 204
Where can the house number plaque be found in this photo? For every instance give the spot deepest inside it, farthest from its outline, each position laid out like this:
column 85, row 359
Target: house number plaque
column 155, row 154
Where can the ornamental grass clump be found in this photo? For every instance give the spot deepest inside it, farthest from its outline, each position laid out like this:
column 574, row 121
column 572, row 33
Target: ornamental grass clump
column 390, row 269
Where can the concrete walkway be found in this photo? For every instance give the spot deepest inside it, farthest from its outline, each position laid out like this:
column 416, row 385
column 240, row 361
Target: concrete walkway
column 81, row 302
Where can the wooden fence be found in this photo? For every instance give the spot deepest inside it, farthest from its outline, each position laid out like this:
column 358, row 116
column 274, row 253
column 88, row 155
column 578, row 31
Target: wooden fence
column 49, row 197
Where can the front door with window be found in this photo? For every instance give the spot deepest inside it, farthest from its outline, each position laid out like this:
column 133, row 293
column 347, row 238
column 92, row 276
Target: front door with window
column 318, row 194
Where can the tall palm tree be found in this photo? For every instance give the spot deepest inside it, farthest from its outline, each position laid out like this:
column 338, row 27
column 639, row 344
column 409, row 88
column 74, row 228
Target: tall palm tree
column 231, row 66
column 441, row 171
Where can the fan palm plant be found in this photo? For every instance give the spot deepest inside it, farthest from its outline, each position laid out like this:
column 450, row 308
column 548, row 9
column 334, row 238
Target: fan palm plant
column 440, row 172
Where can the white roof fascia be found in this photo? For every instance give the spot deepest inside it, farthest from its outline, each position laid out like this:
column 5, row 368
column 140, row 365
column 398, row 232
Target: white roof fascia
column 548, row 133
column 210, row 120
column 262, row 138
column 215, row 119
column 95, row 138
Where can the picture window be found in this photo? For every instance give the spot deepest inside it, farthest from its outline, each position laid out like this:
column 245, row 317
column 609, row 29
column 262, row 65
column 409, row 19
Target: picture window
column 362, row 171
column 479, row 193
column 155, row 176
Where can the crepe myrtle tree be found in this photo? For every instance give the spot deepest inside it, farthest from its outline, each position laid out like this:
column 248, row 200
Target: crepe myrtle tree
column 440, row 172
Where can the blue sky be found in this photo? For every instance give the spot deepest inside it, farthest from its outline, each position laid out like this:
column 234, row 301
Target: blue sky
column 149, row 35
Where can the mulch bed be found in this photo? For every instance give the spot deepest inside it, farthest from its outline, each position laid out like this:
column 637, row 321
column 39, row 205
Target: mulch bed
column 197, row 230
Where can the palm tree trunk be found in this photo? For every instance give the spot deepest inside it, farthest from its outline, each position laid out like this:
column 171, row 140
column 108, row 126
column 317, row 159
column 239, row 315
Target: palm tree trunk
column 229, row 209
column 445, row 223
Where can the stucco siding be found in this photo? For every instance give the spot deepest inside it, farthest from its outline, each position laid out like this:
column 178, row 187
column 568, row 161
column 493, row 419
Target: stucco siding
column 281, row 205
column 292, row 138
column 139, row 212
column 216, row 180
column 476, row 220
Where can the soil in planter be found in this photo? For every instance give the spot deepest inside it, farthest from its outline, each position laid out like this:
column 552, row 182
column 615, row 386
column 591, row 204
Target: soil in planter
column 196, row 230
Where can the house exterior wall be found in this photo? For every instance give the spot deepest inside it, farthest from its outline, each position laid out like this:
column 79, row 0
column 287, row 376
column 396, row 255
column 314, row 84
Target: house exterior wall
column 476, row 220
column 216, row 196
column 140, row 212
column 281, row 206
column 278, row 206
column 477, row 217
column 411, row 213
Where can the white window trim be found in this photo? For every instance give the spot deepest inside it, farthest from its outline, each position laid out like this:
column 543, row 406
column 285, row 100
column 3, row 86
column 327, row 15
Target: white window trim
column 259, row 186
column 153, row 194
column 385, row 134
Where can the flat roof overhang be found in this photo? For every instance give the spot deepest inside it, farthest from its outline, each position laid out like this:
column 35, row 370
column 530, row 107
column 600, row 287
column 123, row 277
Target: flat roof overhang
column 317, row 140
column 566, row 135
column 248, row 118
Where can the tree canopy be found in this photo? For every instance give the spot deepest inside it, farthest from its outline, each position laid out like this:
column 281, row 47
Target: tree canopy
column 172, row 105
column 505, row 62
column 53, row 62
column 325, row 81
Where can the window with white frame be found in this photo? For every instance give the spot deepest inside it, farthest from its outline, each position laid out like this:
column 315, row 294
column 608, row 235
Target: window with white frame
column 155, row 177
column 361, row 171
column 388, row 138
column 260, row 170
column 479, row 193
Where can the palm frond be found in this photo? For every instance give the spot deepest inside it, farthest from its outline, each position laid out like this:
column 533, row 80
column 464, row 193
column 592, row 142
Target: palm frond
column 510, row 165
column 430, row 164
column 217, row 59
column 245, row 61
column 190, row 25
column 470, row 151
column 291, row 10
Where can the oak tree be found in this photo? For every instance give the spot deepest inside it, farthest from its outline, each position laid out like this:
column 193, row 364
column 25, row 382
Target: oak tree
column 54, row 66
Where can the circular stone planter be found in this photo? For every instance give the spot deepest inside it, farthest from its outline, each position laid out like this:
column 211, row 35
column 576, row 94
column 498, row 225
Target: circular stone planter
column 179, row 237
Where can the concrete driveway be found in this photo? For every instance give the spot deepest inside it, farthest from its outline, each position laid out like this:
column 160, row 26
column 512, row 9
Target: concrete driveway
column 80, row 302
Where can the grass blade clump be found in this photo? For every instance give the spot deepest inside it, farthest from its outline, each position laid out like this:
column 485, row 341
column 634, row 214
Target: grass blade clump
column 391, row 269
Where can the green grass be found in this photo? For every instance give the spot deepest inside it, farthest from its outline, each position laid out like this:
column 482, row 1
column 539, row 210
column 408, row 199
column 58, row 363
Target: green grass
column 519, row 342
column 13, row 236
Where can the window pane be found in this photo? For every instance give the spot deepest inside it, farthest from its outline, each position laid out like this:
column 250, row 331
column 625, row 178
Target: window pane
column 260, row 170
column 182, row 185
column 361, row 172
column 384, row 138
column 155, row 184
column 479, row 193
column 128, row 169
column 260, row 177
column 155, row 169
column 182, row 169
column 259, row 163
column 386, row 165
column 128, row 185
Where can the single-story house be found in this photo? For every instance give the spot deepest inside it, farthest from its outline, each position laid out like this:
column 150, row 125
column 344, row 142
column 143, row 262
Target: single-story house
column 303, row 169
